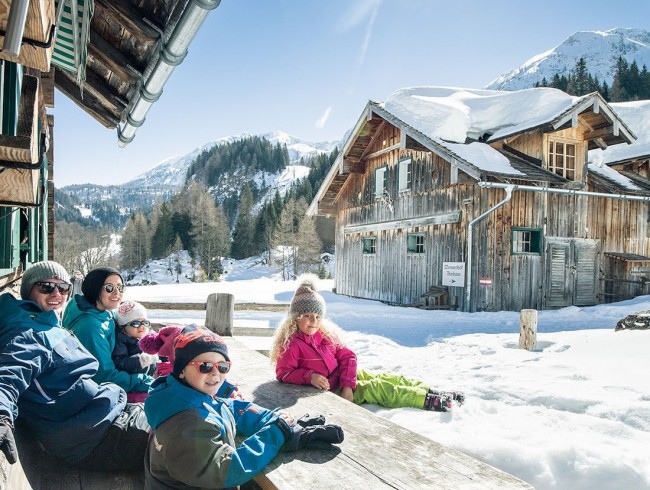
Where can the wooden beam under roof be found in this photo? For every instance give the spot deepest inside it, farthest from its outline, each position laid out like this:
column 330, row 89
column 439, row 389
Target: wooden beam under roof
column 125, row 14
column 89, row 103
column 114, row 60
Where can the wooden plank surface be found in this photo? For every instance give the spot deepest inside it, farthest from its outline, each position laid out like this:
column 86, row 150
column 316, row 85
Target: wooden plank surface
column 376, row 453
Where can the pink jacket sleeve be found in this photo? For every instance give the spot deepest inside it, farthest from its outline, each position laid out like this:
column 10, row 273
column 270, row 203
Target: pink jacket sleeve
column 287, row 368
column 347, row 367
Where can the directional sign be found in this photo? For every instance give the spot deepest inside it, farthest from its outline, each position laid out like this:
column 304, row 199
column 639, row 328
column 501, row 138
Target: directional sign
column 453, row 274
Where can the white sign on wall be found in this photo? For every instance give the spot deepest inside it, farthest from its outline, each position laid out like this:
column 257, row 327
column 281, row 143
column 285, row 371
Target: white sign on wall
column 453, row 274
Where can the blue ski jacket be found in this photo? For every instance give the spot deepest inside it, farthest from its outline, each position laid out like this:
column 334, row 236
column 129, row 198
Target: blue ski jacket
column 46, row 377
column 193, row 441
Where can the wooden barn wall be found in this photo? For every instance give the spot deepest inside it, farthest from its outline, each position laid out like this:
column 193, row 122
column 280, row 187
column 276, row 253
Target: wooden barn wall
column 395, row 276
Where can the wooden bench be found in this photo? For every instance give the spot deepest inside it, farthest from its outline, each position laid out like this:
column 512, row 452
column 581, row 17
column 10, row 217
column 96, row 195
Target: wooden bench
column 376, row 453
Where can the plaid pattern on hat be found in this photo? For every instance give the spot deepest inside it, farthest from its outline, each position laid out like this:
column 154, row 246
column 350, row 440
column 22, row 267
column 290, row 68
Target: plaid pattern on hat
column 193, row 341
column 41, row 271
column 129, row 311
column 307, row 299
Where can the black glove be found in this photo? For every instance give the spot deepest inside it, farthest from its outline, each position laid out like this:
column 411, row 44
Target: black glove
column 7, row 441
column 307, row 420
column 297, row 437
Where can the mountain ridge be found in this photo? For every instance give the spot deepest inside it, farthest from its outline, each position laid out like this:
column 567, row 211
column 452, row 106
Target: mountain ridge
column 600, row 49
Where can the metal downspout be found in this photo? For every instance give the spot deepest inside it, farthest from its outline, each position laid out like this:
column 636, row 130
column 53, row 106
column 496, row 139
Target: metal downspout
column 15, row 27
column 172, row 54
column 470, row 233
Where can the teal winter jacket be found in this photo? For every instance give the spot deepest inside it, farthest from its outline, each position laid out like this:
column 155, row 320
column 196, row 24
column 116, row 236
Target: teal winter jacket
column 95, row 329
column 193, row 440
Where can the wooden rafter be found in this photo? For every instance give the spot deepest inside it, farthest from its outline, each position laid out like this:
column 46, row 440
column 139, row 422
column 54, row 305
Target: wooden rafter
column 89, row 103
column 112, row 58
column 125, row 14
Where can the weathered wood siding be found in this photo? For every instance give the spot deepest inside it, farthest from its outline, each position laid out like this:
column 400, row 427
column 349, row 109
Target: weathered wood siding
column 590, row 226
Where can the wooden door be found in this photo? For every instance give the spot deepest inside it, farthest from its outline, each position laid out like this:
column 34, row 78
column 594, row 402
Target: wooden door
column 571, row 276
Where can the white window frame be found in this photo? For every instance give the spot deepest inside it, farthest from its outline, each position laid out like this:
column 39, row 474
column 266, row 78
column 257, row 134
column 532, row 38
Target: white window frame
column 404, row 175
column 559, row 161
column 380, row 181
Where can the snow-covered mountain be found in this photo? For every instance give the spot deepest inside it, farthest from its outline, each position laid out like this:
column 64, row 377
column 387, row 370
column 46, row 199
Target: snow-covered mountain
column 173, row 170
column 600, row 49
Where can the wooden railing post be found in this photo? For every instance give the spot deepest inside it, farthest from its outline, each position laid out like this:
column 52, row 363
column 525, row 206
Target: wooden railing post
column 219, row 313
column 528, row 330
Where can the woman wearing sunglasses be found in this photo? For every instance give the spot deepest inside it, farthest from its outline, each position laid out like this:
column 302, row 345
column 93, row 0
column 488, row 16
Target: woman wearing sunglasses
column 45, row 380
column 193, row 440
column 91, row 317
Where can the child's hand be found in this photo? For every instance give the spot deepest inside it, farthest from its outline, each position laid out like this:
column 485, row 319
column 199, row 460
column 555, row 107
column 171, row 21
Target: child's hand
column 347, row 393
column 237, row 395
column 320, row 382
column 287, row 418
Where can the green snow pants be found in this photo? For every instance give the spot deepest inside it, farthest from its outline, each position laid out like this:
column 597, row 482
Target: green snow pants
column 389, row 390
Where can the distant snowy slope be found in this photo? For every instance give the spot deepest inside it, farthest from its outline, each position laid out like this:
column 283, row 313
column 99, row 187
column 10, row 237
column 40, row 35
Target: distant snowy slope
column 600, row 49
column 173, row 170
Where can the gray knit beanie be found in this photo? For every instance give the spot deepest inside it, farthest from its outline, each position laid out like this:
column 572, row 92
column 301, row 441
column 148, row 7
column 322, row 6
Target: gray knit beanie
column 307, row 299
column 41, row 271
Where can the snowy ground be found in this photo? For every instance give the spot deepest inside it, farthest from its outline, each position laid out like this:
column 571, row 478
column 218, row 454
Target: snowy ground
column 575, row 413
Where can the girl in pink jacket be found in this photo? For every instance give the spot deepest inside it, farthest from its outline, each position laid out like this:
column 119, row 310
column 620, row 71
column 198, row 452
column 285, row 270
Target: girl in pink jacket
column 307, row 349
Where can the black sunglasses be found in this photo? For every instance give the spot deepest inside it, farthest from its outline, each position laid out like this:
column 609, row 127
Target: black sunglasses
column 138, row 323
column 49, row 287
column 206, row 367
column 110, row 287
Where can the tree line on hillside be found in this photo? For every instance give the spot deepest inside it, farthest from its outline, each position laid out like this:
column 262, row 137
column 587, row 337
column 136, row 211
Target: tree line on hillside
column 211, row 225
column 629, row 82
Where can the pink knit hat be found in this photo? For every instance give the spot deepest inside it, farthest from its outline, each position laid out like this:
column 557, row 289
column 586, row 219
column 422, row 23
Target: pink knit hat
column 161, row 342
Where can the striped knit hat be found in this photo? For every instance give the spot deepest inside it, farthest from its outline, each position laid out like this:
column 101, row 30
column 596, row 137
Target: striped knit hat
column 307, row 299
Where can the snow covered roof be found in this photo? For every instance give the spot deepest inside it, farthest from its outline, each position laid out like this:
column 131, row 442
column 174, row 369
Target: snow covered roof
column 637, row 116
column 459, row 124
column 463, row 120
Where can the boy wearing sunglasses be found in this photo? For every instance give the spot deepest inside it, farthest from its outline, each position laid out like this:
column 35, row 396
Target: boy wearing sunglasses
column 193, row 439
column 91, row 318
column 45, row 379
column 131, row 325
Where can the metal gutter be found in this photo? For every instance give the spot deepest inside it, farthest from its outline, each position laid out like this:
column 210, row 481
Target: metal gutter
column 172, row 54
column 547, row 190
column 470, row 232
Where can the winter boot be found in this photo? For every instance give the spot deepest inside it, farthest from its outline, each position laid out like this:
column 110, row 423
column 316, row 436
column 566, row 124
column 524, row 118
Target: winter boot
column 457, row 396
column 437, row 402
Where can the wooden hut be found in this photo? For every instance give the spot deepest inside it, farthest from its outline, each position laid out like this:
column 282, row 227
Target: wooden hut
column 491, row 194
column 111, row 57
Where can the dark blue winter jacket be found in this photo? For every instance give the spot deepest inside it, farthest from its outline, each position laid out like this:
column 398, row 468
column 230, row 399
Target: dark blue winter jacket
column 126, row 354
column 46, row 378
column 96, row 332
column 193, row 443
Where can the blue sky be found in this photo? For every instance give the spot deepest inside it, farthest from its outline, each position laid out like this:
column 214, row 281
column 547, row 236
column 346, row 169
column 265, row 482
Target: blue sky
column 308, row 68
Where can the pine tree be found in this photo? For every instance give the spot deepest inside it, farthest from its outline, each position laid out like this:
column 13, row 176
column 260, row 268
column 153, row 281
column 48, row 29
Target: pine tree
column 243, row 244
column 618, row 91
column 581, row 78
column 163, row 236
